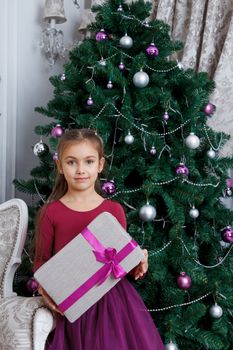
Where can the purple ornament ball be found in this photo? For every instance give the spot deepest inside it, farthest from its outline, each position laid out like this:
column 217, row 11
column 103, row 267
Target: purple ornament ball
column 55, row 156
column 153, row 151
column 152, row 50
column 90, row 101
column 121, row 66
column 182, row 169
column 109, row 187
column 184, row 281
column 229, row 182
column 57, row 131
column 166, row 116
column 109, row 85
column 32, row 285
column 227, row 234
column 209, row 109
column 101, row 36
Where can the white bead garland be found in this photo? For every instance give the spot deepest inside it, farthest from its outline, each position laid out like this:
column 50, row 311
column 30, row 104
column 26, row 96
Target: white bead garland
column 207, row 266
column 155, row 252
column 216, row 149
column 200, row 185
column 179, row 305
column 137, row 127
column 37, row 191
column 161, row 184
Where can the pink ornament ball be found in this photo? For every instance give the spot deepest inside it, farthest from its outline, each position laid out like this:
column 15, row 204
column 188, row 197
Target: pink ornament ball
column 57, row 131
column 209, row 109
column 182, row 169
column 32, row 285
column 109, row 187
column 227, row 234
column 184, row 281
column 152, row 50
column 101, row 36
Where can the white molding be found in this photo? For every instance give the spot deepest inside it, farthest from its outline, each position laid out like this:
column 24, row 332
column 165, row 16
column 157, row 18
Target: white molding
column 8, row 96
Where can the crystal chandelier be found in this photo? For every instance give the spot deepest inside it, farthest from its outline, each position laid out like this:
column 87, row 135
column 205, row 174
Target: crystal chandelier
column 51, row 42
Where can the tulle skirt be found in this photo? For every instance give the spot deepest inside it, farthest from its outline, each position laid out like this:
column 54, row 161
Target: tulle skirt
column 118, row 321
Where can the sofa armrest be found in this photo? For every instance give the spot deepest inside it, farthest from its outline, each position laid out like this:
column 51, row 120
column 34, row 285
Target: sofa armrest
column 25, row 323
column 43, row 324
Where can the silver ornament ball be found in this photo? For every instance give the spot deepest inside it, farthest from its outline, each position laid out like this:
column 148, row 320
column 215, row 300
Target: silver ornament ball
column 194, row 213
column 102, row 62
column 228, row 192
column 141, row 79
column 62, row 77
column 224, row 245
column 192, row 141
column 129, row 139
column 147, row 212
column 126, row 42
column 40, row 148
column 211, row 154
column 171, row 346
column 215, row 311
column 180, row 65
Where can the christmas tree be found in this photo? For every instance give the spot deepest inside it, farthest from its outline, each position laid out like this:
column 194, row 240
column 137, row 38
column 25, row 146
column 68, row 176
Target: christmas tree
column 162, row 166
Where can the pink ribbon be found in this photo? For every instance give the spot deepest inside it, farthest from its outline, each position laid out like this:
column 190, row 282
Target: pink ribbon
column 108, row 256
column 111, row 259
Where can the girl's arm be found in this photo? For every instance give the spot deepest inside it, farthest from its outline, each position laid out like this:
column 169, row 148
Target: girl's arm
column 43, row 252
column 49, row 301
column 141, row 269
column 45, row 240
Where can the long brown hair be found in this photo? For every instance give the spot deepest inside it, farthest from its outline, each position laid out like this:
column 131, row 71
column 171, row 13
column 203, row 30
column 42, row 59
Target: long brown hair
column 60, row 186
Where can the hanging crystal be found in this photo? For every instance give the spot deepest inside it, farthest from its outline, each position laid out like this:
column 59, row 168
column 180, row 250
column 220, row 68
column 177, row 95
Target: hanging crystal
column 52, row 43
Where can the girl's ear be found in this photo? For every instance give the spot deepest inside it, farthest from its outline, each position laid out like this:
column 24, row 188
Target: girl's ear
column 59, row 168
column 101, row 164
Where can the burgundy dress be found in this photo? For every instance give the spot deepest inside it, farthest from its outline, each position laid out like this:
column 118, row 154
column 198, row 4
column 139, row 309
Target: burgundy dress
column 118, row 321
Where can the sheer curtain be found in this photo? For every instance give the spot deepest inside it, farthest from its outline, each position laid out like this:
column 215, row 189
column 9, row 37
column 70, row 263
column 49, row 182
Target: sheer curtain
column 206, row 29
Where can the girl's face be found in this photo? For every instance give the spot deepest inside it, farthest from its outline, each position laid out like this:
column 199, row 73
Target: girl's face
column 80, row 165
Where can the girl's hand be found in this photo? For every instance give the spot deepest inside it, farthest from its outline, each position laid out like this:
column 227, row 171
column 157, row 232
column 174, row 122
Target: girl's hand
column 140, row 270
column 48, row 301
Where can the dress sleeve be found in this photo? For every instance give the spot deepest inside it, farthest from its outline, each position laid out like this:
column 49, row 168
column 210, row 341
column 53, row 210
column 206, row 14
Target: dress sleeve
column 45, row 241
column 120, row 215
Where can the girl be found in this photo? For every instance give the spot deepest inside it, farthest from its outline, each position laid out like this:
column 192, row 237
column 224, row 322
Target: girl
column 118, row 321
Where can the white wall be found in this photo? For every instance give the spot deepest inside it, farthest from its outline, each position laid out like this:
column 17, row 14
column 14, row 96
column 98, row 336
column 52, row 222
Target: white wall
column 8, row 66
column 24, row 83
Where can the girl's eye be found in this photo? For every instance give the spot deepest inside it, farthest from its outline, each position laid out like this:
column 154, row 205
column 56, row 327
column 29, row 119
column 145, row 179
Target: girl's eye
column 90, row 161
column 70, row 162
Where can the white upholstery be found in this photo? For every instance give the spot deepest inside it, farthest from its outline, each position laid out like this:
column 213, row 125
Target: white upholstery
column 24, row 322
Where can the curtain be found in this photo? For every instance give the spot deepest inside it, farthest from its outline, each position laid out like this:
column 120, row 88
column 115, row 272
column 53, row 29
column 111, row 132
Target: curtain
column 206, row 29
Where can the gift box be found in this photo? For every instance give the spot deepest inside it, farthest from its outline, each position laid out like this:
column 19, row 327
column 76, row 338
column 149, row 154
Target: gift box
column 89, row 266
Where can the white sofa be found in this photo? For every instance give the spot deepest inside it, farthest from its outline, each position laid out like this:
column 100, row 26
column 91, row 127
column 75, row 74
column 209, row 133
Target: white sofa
column 25, row 322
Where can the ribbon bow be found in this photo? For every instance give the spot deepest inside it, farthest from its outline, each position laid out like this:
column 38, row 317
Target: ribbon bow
column 109, row 258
